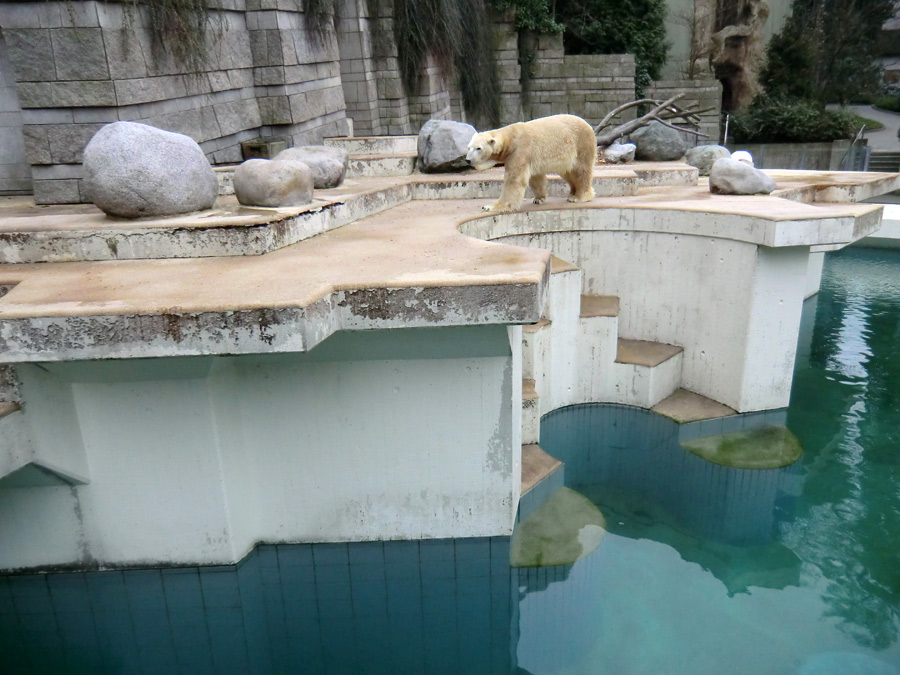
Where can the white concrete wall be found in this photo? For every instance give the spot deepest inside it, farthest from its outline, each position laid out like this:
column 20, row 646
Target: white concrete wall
column 373, row 435
column 694, row 291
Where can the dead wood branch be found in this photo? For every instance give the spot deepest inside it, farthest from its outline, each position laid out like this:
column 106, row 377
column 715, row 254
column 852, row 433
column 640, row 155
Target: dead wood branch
column 665, row 112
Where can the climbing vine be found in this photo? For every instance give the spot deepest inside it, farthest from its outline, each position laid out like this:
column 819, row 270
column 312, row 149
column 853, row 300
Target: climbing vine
column 458, row 34
column 178, row 27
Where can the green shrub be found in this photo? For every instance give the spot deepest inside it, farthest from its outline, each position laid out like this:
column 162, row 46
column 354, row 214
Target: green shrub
column 888, row 102
column 779, row 120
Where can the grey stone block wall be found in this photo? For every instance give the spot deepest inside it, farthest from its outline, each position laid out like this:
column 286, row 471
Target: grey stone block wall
column 15, row 171
column 587, row 86
column 79, row 65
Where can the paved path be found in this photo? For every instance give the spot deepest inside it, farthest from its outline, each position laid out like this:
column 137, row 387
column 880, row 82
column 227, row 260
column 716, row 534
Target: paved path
column 883, row 139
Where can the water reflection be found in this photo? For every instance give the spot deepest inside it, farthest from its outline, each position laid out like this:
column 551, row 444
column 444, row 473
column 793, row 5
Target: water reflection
column 442, row 606
column 630, row 462
column 845, row 407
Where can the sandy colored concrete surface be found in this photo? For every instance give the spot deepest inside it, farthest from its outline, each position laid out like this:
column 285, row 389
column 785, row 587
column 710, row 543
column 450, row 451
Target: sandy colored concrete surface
column 406, row 244
column 686, row 406
column 536, row 465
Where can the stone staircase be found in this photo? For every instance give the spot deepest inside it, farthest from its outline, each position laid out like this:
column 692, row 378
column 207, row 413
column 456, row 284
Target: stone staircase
column 575, row 355
column 888, row 162
column 378, row 155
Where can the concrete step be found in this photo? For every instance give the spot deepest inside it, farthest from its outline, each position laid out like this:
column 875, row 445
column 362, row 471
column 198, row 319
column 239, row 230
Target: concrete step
column 598, row 333
column 646, row 372
column 599, row 306
column 884, row 161
column 531, row 413
column 699, row 416
column 559, row 385
column 375, row 145
column 542, row 475
column 535, row 342
column 367, row 166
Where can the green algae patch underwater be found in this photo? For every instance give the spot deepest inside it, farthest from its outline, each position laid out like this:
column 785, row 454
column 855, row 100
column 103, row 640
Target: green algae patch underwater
column 763, row 448
column 566, row 528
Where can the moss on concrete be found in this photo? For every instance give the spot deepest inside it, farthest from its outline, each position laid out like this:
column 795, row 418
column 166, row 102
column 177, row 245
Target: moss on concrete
column 566, row 528
column 762, row 448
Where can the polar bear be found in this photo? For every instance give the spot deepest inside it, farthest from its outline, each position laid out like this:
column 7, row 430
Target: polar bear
column 560, row 144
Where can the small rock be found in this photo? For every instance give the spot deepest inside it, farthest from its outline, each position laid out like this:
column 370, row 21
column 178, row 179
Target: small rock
column 328, row 165
column 658, row 143
column 443, row 144
column 733, row 177
column 133, row 170
column 618, row 153
column 704, row 156
column 265, row 182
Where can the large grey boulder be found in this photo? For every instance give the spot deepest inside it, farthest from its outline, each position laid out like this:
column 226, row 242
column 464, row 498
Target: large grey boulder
column 619, row 153
column 134, row 170
column 704, row 156
column 270, row 182
column 328, row 165
column 658, row 143
column 733, row 177
column 443, row 144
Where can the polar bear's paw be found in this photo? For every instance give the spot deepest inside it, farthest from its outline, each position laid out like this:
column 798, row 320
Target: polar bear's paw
column 540, row 200
column 497, row 207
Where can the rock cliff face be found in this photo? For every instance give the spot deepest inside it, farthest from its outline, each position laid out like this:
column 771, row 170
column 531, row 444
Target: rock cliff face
column 738, row 49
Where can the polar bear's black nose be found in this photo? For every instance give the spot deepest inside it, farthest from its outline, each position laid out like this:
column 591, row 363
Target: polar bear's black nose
column 468, row 161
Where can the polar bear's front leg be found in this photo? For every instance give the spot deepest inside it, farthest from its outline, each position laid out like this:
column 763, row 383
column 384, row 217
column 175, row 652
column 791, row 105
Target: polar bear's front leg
column 514, row 184
column 538, row 185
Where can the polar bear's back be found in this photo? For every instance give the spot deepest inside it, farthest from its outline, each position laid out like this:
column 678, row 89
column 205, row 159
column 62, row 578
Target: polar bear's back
column 557, row 143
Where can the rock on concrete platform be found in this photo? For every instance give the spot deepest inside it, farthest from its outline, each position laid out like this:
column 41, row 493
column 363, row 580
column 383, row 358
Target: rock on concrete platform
column 443, row 144
column 134, row 170
column 704, row 156
column 328, row 164
column 619, row 153
column 658, row 143
column 264, row 182
column 733, row 177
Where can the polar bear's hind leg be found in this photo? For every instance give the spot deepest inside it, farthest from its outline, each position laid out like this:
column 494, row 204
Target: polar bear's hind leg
column 579, row 182
column 538, row 185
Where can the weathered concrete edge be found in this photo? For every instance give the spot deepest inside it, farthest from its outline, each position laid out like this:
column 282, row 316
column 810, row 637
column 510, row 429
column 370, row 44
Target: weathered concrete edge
column 271, row 330
column 195, row 242
column 833, row 231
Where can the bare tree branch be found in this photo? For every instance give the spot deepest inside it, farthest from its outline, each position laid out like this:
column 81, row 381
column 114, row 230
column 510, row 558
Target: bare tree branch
column 663, row 112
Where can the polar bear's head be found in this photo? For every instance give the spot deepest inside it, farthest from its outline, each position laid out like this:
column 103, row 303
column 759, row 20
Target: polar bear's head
column 482, row 147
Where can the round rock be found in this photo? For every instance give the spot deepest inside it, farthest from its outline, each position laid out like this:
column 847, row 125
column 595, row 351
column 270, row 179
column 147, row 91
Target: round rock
column 733, row 177
column 619, row 153
column 328, row 165
column 269, row 182
column 704, row 156
column 443, row 145
column 658, row 143
column 134, row 170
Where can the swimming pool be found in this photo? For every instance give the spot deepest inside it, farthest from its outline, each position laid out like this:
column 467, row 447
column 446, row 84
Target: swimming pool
column 704, row 569
column 795, row 570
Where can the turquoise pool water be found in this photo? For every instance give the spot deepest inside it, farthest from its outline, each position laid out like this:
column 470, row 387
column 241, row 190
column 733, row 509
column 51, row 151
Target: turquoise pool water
column 797, row 573
column 705, row 570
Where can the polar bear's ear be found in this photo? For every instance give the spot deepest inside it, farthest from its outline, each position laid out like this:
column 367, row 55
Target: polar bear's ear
column 492, row 142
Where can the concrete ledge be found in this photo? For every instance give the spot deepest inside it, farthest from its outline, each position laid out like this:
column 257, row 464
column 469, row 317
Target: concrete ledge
column 644, row 353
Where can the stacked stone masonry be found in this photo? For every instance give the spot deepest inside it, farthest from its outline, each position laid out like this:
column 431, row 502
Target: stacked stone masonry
column 78, row 65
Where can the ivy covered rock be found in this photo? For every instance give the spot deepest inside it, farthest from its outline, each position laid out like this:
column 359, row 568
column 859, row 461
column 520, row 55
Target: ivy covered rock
column 133, row 170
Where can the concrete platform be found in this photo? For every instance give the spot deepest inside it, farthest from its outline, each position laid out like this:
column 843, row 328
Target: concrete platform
column 686, row 406
column 644, row 353
column 536, row 465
